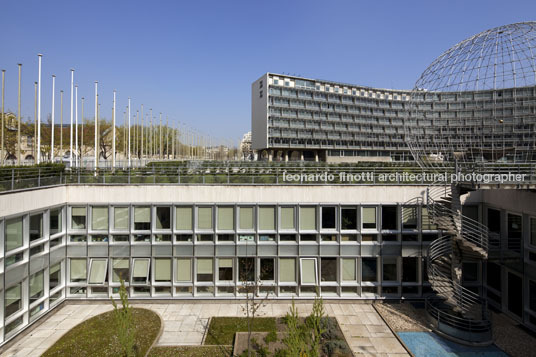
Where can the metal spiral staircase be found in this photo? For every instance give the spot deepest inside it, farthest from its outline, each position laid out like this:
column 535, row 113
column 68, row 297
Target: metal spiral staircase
column 455, row 311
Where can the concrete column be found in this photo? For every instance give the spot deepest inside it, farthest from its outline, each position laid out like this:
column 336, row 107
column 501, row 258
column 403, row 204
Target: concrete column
column 301, row 156
column 316, row 156
column 270, row 155
column 286, row 156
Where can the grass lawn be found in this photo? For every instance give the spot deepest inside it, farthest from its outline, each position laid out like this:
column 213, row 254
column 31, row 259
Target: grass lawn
column 96, row 336
column 191, row 351
column 222, row 329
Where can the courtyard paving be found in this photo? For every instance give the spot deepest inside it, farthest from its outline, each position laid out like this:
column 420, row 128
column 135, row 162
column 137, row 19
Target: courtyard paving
column 185, row 324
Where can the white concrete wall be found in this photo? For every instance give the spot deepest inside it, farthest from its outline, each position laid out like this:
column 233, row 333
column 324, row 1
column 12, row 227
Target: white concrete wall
column 521, row 201
column 14, row 203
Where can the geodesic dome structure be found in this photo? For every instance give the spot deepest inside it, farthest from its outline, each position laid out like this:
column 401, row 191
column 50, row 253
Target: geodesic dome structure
column 476, row 103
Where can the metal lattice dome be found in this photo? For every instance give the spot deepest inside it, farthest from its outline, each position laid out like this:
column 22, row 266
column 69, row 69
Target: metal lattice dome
column 477, row 101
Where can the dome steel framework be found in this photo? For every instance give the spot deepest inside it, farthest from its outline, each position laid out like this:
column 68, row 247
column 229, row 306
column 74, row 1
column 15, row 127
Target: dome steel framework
column 476, row 103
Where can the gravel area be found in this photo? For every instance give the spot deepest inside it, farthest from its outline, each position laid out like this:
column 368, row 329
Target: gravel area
column 511, row 338
column 403, row 316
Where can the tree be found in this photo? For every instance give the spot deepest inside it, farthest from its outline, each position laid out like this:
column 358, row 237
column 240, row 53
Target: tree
column 124, row 322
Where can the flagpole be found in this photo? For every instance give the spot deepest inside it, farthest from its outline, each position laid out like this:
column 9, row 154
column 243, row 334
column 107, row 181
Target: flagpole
column 96, row 123
column 113, row 135
column 39, row 111
column 77, row 164
column 52, row 134
column 128, row 132
column 71, row 131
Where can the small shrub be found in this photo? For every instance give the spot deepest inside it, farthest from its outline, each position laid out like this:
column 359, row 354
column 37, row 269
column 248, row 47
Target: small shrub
column 270, row 337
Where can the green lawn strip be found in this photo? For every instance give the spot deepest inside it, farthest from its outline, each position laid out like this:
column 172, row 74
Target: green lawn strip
column 191, row 351
column 222, row 329
column 96, row 336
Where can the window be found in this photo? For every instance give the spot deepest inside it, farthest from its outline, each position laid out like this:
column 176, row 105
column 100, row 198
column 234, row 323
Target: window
column 328, row 218
column 470, row 271
column 184, row 270
column 99, row 218
column 389, row 217
column 54, row 274
column 532, row 295
column 246, row 238
column 267, row 269
column 204, row 269
column 183, row 218
column 514, row 232
column 349, row 218
column 163, row 217
column 140, row 270
column 308, row 271
column 246, row 269
column 204, row 217
column 409, row 217
column 55, row 221
column 494, row 220
column 226, row 218
column 121, row 218
column 162, row 270
column 36, row 226
column 390, row 271
column 37, row 286
column 328, row 269
column 78, row 271
column 426, row 218
column 470, row 212
column 120, row 270
column 97, row 271
column 13, row 233
column 225, row 269
column 78, row 217
column 267, row 218
column 142, row 218
column 287, row 270
column 287, row 218
column 369, row 217
column 307, row 218
column 369, row 269
column 410, row 269
column 246, row 218
column 494, row 276
column 348, row 237
column 13, row 300
column 348, row 269
column 533, row 231
column 225, row 237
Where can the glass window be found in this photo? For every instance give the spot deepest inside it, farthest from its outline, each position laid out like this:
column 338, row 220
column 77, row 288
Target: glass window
column 470, row 212
column 410, row 269
column 97, row 271
column 120, row 270
column 246, row 218
column 328, row 269
column 267, row 218
column 183, row 217
column 470, row 271
column 78, row 271
column 494, row 220
column 514, row 232
column 37, row 286
column 163, row 217
column 307, row 218
column 369, row 217
column 287, row 218
column 162, row 270
column 369, row 269
column 348, row 269
column 328, row 218
column 389, row 217
column 204, row 269
column 99, row 218
column 142, row 218
column 204, row 217
column 13, row 233
column 494, row 276
column 184, row 270
column 426, row 218
column 55, row 221
column 308, row 271
column 54, row 274
column 409, row 217
column 246, row 269
column 287, row 270
column 121, row 218
column 13, row 299
column 140, row 270
column 225, row 269
column 533, row 231
column 267, row 269
column 78, row 217
column 390, row 271
column 348, row 218
column 532, row 295
column 36, row 226
column 226, row 218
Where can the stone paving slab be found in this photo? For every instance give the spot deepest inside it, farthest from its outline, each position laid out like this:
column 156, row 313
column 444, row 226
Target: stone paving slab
column 185, row 324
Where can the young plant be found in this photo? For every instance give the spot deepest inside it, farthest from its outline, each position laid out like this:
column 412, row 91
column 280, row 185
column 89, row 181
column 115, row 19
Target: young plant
column 124, row 323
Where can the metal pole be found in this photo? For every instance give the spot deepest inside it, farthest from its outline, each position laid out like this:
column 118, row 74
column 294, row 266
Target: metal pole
column 18, row 117
column 3, row 88
column 77, row 162
column 113, row 135
column 160, row 151
column 71, row 131
column 141, row 151
column 129, row 132
column 137, row 134
column 34, row 151
column 82, row 134
column 167, row 138
column 151, row 135
column 39, row 111
column 96, row 123
column 61, row 124
column 53, row 104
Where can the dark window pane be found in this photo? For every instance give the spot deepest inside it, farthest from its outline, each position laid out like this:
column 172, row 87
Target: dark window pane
column 246, row 269
column 368, row 269
column 328, row 268
column 389, row 217
column 328, row 217
column 349, row 218
column 267, row 269
column 494, row 220
column 409, row 269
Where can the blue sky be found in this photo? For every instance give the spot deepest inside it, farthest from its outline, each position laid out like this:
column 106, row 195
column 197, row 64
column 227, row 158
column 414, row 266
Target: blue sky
column 195, row 60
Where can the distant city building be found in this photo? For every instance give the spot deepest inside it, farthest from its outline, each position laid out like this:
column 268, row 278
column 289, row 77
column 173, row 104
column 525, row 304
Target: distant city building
column 245, row 147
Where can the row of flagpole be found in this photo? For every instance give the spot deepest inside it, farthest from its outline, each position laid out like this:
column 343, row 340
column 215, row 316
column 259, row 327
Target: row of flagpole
column 196, row 145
